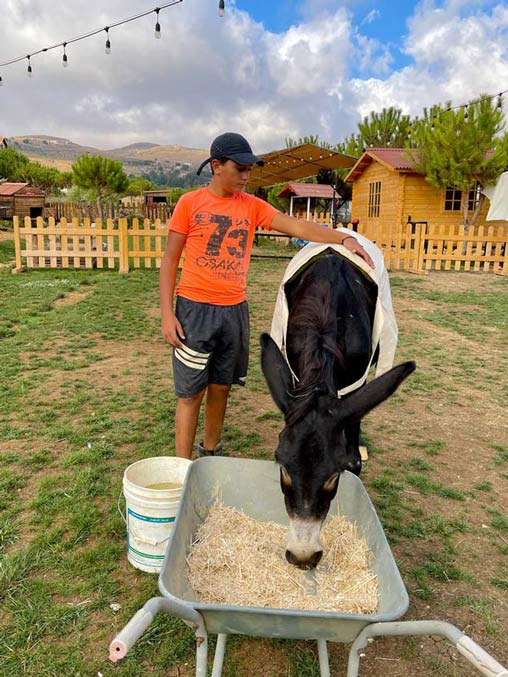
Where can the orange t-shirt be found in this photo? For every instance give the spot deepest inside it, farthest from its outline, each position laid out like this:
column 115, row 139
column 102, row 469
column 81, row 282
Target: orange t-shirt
column 219, row 234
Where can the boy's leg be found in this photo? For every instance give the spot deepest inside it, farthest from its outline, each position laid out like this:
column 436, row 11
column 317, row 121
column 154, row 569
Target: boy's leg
column 215, row 411
column 186, row 423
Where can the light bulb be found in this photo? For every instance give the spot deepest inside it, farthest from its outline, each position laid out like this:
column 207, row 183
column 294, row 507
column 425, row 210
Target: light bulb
column 107, row 49
column 157, row 26
column 221, row 8
column 65, row 63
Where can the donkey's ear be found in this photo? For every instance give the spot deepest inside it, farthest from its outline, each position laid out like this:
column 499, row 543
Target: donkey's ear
column 355, row 406
column 276, row 372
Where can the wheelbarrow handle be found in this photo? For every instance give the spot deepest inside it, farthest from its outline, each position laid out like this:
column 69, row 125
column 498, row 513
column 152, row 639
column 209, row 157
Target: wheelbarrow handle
column 482, row 661
column 141, row 620
column 474, row 653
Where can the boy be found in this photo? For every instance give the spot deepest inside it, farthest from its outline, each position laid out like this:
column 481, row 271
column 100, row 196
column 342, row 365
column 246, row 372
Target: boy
column 209, row 326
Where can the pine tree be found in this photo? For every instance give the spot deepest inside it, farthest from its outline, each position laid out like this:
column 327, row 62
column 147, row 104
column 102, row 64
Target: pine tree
column 103, row 176
column 389, row 128
column 465, row 149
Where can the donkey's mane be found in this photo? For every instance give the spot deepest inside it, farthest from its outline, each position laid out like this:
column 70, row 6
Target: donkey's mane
column 313, row 323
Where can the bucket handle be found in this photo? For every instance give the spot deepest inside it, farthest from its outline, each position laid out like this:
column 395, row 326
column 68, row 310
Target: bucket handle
column 139, row 537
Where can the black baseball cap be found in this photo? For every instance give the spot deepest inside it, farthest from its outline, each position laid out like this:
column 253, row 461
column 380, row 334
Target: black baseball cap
column 233, row 147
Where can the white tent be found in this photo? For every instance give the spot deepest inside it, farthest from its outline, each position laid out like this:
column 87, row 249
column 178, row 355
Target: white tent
column 498, row 196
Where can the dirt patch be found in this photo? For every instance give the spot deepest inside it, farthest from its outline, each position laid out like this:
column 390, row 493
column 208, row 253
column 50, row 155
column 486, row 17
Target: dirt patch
column 465, row 415
column 72, row 297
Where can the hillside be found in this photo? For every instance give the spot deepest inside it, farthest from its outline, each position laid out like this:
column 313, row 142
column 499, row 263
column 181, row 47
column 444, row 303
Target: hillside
column 138, row 159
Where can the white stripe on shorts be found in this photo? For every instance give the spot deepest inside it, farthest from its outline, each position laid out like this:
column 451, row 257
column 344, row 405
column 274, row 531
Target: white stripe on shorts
column 193, row 363
column 194, row 353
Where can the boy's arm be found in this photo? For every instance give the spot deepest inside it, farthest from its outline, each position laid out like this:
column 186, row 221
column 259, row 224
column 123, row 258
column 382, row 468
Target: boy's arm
column 171, row 328
column 308, row 230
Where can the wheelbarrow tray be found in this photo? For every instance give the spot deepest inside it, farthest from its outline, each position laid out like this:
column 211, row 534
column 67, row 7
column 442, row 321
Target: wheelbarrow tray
column 252, row 486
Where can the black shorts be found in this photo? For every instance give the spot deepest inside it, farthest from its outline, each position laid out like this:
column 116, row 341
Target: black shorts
column 215, row 348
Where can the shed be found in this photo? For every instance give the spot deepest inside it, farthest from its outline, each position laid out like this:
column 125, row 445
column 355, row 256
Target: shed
column 309, row 192
column 155, row 196
column 388, row 191
column 21, row 199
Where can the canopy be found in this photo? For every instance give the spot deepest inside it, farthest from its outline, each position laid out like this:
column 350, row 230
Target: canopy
column 297, row 162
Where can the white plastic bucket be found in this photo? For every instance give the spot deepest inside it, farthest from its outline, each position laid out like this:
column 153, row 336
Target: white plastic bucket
column 152, row 488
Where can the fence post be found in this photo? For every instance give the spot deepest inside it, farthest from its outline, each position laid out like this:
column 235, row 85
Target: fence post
column 505, row 258
column 17, row 245
column 123, row 245
column 419, row 247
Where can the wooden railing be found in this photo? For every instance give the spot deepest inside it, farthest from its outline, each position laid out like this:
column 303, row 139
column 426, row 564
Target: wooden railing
column 114, row 245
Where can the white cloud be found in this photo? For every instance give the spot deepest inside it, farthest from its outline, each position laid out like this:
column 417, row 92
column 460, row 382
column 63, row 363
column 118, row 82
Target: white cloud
column 370, row 17
column 456, row 54
column 207, row 75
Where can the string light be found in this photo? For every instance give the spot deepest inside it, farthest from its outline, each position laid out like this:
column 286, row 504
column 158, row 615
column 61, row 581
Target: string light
column 107, row 49
column 221, row 7
column 466, row 106
column 1, row 81
column 157, row 26
column 171, row 3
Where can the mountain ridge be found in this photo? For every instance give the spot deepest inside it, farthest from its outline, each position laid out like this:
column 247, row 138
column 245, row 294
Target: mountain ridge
column 137, row 158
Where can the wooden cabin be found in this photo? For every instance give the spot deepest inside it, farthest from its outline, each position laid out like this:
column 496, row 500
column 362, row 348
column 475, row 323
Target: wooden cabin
column 21, row 199
column 387, row 191
column 155, row 196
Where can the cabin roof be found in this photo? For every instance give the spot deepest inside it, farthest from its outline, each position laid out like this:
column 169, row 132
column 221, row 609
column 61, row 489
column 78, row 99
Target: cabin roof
column 394, row 159
column 11, row 188
column 317, row 190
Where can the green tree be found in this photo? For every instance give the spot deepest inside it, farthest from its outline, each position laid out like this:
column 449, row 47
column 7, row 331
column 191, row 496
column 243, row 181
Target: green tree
column 105, row 177
column 138, row 185
column 313, row 138
column 380, row 130
column 11, row 163
column 48, row 179
column 272, row 197
column 465, row 149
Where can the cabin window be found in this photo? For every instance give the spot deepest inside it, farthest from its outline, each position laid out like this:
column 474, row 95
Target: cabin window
column 374, row 198
column 453, row 200
column 474, row 197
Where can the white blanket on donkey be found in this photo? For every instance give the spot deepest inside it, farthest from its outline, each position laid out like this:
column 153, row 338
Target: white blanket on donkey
column 384, row 332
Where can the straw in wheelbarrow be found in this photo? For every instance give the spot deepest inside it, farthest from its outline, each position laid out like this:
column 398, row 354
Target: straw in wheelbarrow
column 236, row 560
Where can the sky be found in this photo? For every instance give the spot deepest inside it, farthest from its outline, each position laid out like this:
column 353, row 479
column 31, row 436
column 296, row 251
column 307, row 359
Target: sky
column 267, row 69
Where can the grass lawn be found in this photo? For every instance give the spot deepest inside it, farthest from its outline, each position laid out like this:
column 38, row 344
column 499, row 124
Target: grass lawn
column 85, row 390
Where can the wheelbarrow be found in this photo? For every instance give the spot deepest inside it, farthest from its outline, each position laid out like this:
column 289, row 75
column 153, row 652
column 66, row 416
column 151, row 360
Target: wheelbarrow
column 252, row 486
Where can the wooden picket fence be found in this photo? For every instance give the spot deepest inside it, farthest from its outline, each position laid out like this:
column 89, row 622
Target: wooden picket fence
column 420, row 248
column 416, row 248
column 85, row 244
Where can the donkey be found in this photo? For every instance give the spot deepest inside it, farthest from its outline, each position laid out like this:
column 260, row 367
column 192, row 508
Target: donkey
column 328, row 345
